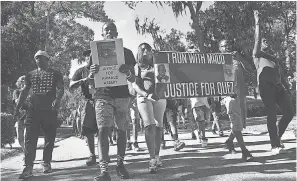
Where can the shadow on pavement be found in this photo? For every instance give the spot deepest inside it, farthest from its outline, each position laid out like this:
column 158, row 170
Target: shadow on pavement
column 187, row 166
column 178, row 167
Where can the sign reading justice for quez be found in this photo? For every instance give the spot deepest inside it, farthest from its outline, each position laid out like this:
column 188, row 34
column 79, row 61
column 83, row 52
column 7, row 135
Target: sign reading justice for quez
column 184, row 75
column 109, row 54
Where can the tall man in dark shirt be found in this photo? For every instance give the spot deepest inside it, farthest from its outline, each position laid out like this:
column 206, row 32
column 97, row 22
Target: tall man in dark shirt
column 48, row 88
column 272, row 90
column 87, row 114
column 111, row 104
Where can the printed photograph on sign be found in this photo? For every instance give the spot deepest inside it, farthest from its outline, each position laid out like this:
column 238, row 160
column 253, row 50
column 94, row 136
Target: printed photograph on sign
column 107, row 53
column 229, row 72
column 162, row 73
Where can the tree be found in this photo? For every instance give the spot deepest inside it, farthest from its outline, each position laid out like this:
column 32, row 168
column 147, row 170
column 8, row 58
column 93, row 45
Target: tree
column 24, row 27
column 179, row 8
column 171, row 41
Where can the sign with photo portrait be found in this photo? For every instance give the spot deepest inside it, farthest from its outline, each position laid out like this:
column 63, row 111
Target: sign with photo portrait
column 109, row 54
column 185, row 75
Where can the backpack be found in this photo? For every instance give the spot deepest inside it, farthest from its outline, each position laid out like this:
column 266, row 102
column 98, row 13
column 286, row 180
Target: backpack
column 137, row 76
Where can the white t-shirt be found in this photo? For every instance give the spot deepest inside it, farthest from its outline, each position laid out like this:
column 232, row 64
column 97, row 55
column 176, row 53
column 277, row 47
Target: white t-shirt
column 199, row 101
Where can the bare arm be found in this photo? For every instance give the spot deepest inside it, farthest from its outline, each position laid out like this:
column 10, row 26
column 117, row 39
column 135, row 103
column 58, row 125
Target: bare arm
column 257, row 45
column 23, row 97
column 75, row 84
column 246, row 65
column 139, row 90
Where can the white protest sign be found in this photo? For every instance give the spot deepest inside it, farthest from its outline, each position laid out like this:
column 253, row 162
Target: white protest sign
column 109, row 54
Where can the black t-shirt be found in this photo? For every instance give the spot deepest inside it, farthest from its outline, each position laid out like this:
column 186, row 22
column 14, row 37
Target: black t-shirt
column 123, row 91
column 43, row 84
column 82, row 73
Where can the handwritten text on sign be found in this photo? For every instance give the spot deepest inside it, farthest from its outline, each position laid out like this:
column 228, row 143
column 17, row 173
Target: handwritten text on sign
column 110, row 75
column 193, row 74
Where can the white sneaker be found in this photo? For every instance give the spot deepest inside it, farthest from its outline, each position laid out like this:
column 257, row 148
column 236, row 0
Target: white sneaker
column 277, row 150
column 153, row 166
column 204, row 143
column 159, row 161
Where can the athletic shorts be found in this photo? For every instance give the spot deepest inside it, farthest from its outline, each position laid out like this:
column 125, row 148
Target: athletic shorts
column 88, row 117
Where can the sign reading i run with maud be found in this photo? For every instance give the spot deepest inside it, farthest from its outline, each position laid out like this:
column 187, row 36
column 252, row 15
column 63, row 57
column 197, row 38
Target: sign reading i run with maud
column 109, row 54
column 185, row 75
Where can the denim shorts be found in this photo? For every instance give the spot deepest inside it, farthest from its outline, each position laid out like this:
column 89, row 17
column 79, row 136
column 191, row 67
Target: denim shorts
column 111, row 112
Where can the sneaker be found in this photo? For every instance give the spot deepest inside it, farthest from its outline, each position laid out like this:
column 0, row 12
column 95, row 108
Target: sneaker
column 282, row 144
column 178, row 145
column 128, row 146
column 104, row 176
column 230, row 147
column 47, row 168
column 122, row 172
column 247, row 156
column 159, row 161
column 153, row 166
column 136, row 147
column 27, row 172
column 204, row 142
column 163, row 145
column 214, row 132
column 91, row 160
column 277, row 150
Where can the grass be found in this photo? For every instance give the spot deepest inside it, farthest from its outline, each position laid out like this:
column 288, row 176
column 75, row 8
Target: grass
column 9, row 152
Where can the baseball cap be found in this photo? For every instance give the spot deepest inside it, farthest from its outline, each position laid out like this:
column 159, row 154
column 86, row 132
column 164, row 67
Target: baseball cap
column 21, row 78
column 87, row 52
column 41, row 53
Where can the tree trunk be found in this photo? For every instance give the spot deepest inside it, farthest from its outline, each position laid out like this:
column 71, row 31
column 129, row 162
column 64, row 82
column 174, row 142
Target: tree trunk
column 46, row 30
column 287, row 54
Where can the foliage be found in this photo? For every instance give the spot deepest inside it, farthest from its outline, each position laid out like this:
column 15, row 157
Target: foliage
column 69, row 101
column 171, row 41
column 253, row 110
column 7, row 129
column 235, row 20
column 28, row 26
column 6, row 100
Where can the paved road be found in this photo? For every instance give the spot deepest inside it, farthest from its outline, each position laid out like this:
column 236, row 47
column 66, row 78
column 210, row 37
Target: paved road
column 192, row 163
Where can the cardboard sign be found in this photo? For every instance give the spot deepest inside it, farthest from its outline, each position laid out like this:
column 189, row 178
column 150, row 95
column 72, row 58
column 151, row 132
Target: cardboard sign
column 185, row 75
column 109, row 54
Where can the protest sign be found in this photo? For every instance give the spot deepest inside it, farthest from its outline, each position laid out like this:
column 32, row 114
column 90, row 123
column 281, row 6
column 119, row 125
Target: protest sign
column 109, row 54
column 185, row 75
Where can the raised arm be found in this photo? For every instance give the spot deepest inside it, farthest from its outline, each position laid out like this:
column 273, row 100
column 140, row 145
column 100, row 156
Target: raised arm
column 257, row 46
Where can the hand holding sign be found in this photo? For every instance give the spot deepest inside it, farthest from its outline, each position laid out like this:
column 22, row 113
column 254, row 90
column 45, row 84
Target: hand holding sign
column 94, row 69
column 109, row 54
column 124, row 69
column 153, row 97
